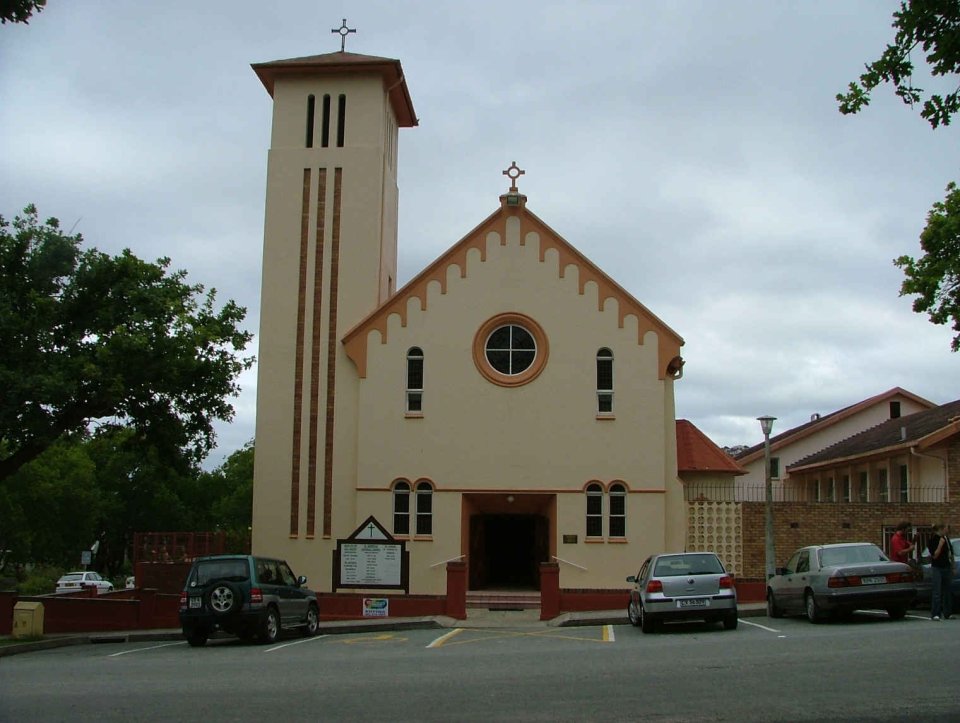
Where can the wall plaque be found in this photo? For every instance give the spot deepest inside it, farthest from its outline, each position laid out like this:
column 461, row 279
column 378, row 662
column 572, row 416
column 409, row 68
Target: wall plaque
column 569, row 539
column 371, row 558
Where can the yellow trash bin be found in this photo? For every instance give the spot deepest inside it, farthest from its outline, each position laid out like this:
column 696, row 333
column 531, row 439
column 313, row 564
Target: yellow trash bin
column 28, row 620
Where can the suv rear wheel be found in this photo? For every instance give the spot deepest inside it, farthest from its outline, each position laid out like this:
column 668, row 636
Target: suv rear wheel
column 196, row 637
column 270, row 627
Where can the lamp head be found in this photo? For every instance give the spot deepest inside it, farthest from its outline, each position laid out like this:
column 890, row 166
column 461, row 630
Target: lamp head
column 766, row 424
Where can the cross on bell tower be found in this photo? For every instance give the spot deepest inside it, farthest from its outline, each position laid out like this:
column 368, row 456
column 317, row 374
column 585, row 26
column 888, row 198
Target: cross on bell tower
column 343, row 31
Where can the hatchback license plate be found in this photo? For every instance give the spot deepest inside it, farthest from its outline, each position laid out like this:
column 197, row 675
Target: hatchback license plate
column 879, row 580
column 699, row 602
column 194, row 602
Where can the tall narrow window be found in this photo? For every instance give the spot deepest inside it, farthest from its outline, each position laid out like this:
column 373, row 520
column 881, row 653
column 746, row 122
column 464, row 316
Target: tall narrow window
column 605, row 381
column 831, row 490
column 311, row 107
column 884, row 484
column 594, row 510
column 774, row 468
column 401, row 508
column 618, row 510
column 904, row 484
column 341, row 119
column 424, row 508
column 864, row 493
column 845, row 487
column 415, row 380
column 325, row 125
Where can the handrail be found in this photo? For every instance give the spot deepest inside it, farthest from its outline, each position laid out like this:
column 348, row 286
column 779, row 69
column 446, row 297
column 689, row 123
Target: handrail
column 444, row 562
column 579, row 567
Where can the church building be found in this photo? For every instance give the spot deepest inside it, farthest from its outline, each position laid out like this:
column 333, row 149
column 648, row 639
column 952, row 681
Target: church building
column 509, row 410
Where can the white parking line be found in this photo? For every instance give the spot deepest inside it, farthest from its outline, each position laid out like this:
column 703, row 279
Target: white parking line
column 608, row 635
column 445, row 637
column 295, row 642
column 152, row 647
column 758, row 625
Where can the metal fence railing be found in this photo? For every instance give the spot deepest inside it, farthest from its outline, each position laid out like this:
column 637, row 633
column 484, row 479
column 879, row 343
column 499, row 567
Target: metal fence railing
column 788, row 492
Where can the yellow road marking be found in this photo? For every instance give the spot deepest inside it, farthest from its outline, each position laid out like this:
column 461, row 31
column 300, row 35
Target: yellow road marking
column 484, row 635
column 382, row 638
column 608, row 636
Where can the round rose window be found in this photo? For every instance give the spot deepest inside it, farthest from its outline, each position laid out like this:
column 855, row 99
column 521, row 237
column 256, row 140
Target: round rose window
column 510, row 349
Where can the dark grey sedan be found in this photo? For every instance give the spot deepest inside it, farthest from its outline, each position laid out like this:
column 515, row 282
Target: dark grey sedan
column 682, row 586
column 823, row 579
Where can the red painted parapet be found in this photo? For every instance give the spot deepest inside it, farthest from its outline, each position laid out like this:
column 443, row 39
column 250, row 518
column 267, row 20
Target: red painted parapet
column 8, row 599
column 751, row 591
column 456, row 606
column 549, row 590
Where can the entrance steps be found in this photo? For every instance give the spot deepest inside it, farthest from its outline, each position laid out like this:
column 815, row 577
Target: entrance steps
column 504, row 599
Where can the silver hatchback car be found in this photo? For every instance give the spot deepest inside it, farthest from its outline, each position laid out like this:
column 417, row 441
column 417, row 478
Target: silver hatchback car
column 682, row 586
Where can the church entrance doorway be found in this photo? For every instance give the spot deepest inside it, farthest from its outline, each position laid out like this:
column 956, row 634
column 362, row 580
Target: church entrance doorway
column 507, row 539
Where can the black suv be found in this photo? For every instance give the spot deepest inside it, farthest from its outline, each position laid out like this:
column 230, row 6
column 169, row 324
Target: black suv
column 245, row 595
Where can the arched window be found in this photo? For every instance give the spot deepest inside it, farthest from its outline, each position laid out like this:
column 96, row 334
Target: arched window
column 594, row 510
column 341, row 119
column 604, row 381
column 415, row 380
column 424, row 508
column 618, row 510
column 325, row 125
column 401, row 508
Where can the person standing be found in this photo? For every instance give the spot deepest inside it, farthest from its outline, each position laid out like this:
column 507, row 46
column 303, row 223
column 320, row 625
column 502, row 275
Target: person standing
column 900, row 545
column 941, row 572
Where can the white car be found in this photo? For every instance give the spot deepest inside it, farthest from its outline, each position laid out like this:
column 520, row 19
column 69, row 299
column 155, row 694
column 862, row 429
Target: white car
column 73, row 581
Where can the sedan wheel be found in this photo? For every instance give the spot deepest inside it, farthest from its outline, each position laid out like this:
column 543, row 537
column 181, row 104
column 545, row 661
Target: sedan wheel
column 647, row 623
column 897, row 613
column 730, row 621
column 773, row 610
column 813, row 610
column 633, row 615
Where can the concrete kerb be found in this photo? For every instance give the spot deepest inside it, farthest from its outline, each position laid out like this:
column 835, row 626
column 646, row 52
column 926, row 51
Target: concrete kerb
column 475, row 619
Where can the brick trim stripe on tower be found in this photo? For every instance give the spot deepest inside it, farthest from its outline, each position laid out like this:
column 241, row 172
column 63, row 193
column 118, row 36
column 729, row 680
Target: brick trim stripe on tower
column 298, row 362
column 315, row 348
column 332, row 346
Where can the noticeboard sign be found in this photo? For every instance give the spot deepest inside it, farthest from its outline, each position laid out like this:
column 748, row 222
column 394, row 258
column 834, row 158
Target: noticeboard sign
column 371, row 558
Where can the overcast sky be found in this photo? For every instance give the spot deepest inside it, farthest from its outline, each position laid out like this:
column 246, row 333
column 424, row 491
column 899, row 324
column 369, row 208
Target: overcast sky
column 693, row 150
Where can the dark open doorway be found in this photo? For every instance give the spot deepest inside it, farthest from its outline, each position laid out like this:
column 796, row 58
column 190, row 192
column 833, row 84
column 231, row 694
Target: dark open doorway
column 506, row 551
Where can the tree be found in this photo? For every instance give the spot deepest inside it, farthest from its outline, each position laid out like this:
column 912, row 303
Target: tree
column 87, row 337
column 935, row 277
column 934, row 26
column 19, row 11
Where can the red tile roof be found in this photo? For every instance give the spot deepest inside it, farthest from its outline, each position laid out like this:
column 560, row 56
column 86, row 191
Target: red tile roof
column 697, row 453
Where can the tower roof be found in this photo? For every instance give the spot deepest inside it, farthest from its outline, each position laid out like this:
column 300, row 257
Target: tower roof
column 343, row 63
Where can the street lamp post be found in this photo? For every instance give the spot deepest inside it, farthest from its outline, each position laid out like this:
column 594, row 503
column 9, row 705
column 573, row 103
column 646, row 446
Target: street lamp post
column 766, row 424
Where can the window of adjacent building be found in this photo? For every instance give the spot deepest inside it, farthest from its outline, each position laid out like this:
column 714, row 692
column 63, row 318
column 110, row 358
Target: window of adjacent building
column 594, row 510
column 401, row 508
column 618, row 510
column 774, row 468
column 845, row 488
column 904, row 483
column 894, row 410
column 815, row 490
column 605, row 381
column 415, row 380
column 884, row 484
column 863, row 493
column 424, row 508
column 831, row 490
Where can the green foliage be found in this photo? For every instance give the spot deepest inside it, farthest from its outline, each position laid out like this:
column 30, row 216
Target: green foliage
column 934, row 26
column 935, row 277
column 40, row 579
column 88, row 336
column 19, row 11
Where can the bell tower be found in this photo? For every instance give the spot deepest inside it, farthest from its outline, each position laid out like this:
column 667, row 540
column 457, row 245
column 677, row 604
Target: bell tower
column 329, row 259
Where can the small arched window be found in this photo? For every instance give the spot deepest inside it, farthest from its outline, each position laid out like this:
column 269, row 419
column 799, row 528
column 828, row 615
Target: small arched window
column 618, row 510
column 415, row 380
column 424, row 508
column 594, row 510
column 401, row 508
column 604, row 381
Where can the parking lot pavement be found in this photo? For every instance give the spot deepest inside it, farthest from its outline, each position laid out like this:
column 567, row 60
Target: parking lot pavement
column 476, row 618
